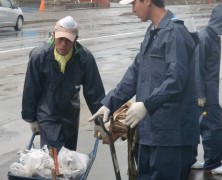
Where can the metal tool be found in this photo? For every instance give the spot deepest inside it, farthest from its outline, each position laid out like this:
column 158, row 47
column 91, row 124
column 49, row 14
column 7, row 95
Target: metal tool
column 99, row 121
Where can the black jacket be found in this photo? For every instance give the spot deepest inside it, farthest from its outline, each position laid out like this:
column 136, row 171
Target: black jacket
column 52, row 98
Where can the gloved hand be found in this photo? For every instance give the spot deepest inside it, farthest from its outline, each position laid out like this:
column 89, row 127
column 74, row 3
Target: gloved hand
column 99, row 132
column 102, row 111
column 35, row 127
column 135, row 114
column 201, row 101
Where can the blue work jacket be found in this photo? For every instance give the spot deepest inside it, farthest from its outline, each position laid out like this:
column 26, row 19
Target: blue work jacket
column 162, row 76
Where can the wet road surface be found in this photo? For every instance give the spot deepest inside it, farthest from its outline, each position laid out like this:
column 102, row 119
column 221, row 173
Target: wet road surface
column 114, row 36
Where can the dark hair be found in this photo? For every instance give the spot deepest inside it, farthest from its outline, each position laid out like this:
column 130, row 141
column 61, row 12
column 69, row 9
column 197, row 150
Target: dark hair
column 159, row 3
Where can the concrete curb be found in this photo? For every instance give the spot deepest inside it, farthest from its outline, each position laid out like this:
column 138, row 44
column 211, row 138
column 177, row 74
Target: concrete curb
column 39, row 21
column 35, row 16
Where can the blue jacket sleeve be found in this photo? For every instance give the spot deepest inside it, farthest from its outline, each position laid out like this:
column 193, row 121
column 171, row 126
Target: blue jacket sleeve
column 32, row 87
column 93, row 89
column 200, row 55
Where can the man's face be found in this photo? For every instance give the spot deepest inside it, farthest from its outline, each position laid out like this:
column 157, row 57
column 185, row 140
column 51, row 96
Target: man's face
column 142, row 9
column 63, row 45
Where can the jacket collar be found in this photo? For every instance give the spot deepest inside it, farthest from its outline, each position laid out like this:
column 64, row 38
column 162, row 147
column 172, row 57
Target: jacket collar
column 166, row 19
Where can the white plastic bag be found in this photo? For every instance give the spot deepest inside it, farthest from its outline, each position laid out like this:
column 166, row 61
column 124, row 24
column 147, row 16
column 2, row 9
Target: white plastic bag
column 18, row 169
column 33, row 162
column 72, row 164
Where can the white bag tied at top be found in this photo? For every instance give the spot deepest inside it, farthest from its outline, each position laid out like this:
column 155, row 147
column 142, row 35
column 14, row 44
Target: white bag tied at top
column 33, row 162
column 72, row 164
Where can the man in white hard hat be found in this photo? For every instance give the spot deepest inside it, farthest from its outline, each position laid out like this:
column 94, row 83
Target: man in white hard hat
column 56, row 71
column 162, row 79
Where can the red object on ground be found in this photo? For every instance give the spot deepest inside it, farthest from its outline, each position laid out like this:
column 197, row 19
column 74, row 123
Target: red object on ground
column 42, row 6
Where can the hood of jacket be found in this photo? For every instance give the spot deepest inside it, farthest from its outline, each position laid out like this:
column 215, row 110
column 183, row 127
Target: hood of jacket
column 215, row 22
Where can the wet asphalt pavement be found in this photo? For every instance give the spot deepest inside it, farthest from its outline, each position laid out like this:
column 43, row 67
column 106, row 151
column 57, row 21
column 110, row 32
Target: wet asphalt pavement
column 113, row 35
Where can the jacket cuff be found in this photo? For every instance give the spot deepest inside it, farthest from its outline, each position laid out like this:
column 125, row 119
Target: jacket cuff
column 29, row 120
column 150, row 107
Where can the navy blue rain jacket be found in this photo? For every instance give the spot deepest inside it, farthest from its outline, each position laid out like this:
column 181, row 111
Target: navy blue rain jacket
column 52, row 98
column 162, row 76
column 209, row 51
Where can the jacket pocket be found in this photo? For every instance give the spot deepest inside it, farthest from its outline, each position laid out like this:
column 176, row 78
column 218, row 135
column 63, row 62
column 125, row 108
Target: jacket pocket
column 154, row 64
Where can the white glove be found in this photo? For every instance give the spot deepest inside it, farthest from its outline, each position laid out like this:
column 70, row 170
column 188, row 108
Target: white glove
column 99, row 132
column 135, row 114
column 201, row 101
column 102, row 111
column 35, row 127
